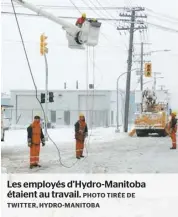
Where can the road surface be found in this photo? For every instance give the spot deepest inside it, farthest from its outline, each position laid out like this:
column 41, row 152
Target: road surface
column 105, row 153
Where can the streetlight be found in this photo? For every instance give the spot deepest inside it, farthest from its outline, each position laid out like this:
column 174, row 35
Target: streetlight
column 117, row 128
column 156, row 51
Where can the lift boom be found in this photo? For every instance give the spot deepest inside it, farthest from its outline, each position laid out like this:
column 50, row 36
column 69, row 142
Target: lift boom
column 77, row 37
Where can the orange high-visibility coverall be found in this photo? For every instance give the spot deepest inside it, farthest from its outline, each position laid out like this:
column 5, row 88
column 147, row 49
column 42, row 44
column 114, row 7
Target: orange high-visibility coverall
column 81, row 131
column 80, row 21
column 173, row 130
column 35, row 136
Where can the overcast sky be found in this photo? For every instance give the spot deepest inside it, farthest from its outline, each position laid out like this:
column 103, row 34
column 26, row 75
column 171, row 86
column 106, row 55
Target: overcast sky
column 66, row 65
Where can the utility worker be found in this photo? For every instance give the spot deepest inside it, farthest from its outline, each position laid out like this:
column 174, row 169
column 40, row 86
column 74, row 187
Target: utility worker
column 92, row 20
column 173, row 129
column 80, row 21
column 35, row 137
column 81, row 132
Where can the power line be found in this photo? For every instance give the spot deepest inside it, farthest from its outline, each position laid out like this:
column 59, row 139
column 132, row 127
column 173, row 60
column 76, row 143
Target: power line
column 102, row 8
column 153, row 24
column 35, row 86
column 163, row 27
column 162, row 14
column 75, row 6
column 62, row 7
column 163, row 18
column 63, row 17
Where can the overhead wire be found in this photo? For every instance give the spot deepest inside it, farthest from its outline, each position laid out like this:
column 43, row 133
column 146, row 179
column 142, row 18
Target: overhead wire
column 112, row 16
column 163, row 15
column 87, row 77
column 93, row 101
column 163, row 27
column 60, row 7
column 163, row 18
column 81, row 13
column 87, row 95
column 36, row 90
column 102, row 8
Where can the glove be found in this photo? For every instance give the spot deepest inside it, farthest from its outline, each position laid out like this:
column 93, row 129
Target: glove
column 86, row 135
column 29, row 142
column 43, row 142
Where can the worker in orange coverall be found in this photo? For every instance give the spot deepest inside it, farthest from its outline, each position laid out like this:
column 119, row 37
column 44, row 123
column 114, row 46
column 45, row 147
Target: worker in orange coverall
column 80, row 21
column 81, row 132
column 35, row 137
column 173, row 129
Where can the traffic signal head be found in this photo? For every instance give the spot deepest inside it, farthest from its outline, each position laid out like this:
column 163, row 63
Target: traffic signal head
column 51, row 97
column 148, row 70
column 43, row 44
column 42, row 97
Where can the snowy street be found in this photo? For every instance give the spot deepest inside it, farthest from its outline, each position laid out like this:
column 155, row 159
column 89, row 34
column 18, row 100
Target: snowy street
column 106, row 152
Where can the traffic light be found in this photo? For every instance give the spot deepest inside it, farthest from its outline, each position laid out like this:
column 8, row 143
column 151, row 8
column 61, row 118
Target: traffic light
column 51, row 97
column 42, row 97
column 43, row 48
column 148, row 70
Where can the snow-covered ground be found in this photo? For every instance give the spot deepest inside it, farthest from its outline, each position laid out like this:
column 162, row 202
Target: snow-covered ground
column 106, row 152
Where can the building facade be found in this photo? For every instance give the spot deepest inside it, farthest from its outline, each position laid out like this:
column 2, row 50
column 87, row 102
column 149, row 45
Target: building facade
column 98, row 106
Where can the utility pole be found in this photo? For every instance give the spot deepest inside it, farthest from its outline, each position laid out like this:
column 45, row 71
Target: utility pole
column 132, row 28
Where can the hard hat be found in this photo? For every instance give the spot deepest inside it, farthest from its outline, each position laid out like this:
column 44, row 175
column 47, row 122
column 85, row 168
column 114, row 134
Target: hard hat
column 174, row 113
column 84, row 15
column 81, row 115
column 37, row 117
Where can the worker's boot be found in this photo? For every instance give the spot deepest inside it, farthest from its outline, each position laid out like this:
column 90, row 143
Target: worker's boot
column 32, row 166
column 172, row 148
column 37, row 165
column 78, row 158
column 82, row 156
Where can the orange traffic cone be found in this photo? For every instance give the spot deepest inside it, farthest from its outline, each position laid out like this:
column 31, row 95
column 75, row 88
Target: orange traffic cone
column 131, row 133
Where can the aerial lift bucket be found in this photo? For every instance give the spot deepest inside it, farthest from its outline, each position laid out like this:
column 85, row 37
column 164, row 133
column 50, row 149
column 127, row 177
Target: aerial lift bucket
column 92, row 29
column 72, row 40
column 89, row 35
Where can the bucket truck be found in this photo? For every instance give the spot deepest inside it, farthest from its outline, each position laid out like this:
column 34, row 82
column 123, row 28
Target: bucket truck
column 77, row 37
column 153, row 116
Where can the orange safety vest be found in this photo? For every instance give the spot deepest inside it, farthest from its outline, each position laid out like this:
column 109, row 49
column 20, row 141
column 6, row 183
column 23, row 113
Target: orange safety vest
column 36, row 133
column 80, row 134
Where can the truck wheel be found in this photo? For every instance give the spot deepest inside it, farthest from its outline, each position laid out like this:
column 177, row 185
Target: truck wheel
column 141, row 133
column 163, row 133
